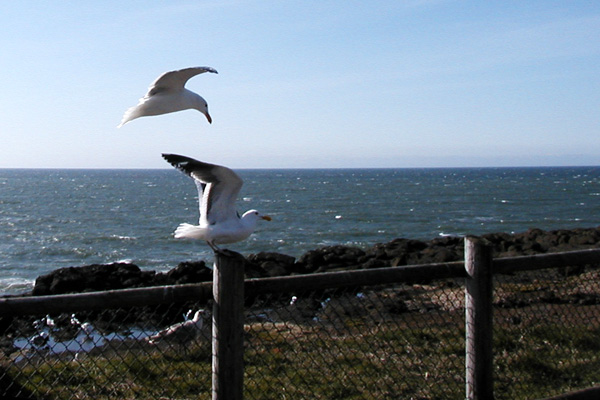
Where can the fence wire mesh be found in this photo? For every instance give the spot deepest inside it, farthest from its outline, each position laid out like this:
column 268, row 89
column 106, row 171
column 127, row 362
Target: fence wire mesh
column 546, row 332
column 401, row 341
column 388, row 342
column 112, row 354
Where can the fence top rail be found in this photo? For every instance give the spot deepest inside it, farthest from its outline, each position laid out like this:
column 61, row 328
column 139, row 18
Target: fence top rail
column 378, row 276
column 31, row 305
column 545, row 261
column 138, row 297
column 363, row 277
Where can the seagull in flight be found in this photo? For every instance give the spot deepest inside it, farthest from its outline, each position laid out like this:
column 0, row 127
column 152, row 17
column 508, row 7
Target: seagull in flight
column 168, row 94
column 218, row 188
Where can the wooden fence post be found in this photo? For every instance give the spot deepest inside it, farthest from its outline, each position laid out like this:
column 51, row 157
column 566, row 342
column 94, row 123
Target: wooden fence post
column 478, row 321
column 228, row 327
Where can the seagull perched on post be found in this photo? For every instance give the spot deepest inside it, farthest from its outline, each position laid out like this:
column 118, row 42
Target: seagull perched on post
column 167, row 94
column 218, row 188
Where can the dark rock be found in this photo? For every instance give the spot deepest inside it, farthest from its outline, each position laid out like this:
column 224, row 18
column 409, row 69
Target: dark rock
column 252, row 270
column 409, row 252
column 189, row 272
column 273, row 268
column 448, row 242
column 397, row 249
column 437, row 255
column 375, row 263
column 95, row 277
column 395, row 253
column 584, row 238
column 331, row 258
column 270, row 264
column 99, row 277
column 500, row 241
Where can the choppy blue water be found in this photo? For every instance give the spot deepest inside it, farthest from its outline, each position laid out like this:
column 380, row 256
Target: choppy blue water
column 57, row 218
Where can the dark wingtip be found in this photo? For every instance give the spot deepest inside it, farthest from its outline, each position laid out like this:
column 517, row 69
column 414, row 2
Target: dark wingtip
column 175, row 160
column 170, row 158
column 185, row 164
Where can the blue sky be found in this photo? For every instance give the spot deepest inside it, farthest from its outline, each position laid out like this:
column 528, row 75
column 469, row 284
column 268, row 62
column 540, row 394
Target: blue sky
column 415, row 83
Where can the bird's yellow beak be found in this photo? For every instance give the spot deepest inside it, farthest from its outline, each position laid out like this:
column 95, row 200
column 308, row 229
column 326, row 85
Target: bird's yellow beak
column 266, row 217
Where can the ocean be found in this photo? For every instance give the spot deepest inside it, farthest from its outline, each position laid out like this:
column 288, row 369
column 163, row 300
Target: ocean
column 58, row 218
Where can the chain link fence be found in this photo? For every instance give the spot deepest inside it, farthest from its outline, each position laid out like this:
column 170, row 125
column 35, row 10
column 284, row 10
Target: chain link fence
column 109, row 354
column 546, row 332
column 396, row 341
column 402, row 341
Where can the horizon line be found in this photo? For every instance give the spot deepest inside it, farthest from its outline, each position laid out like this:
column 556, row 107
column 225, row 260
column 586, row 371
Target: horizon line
column 303, row 168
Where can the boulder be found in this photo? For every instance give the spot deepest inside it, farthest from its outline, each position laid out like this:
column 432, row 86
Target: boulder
column 270, row 264
column 397, row 250
column 99, row 277
column 95, row 277
column 188, row 272
column 331, row 258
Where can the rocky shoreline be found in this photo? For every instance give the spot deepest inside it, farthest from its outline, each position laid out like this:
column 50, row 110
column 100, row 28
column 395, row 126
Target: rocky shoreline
column 395, row 253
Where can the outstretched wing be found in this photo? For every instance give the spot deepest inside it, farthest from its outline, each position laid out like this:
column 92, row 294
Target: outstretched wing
column 218, row 187
column 175, row 80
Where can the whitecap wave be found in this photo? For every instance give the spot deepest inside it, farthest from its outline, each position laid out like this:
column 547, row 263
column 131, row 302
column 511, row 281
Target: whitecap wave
column 15, row 285
column 122, row 237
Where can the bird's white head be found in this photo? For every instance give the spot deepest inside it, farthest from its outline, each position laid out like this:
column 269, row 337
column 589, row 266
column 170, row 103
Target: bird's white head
column 201, row 105
column 253, row 216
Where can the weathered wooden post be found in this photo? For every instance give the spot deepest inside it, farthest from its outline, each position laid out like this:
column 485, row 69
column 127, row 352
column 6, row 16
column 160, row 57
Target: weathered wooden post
column 478, row 306
column 228, row 327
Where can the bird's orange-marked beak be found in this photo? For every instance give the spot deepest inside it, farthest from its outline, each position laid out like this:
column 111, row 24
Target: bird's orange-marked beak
column 266, row 217
column 208, row 118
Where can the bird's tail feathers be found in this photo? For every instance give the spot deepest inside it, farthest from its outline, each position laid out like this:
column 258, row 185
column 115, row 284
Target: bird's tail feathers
column 188, row 231
column 131, row 114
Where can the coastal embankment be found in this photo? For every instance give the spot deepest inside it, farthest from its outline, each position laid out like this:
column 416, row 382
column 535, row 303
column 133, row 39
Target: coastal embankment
column 398, row 252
